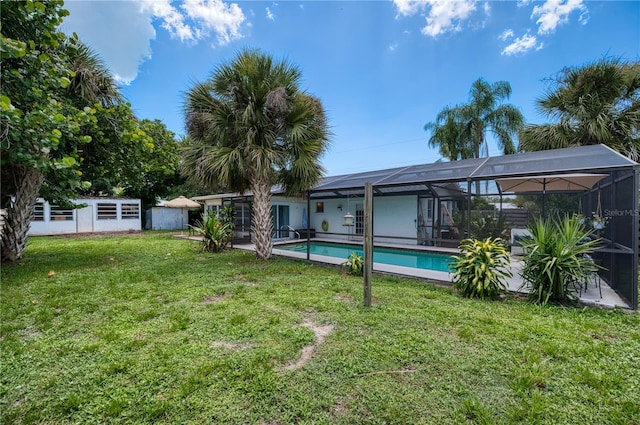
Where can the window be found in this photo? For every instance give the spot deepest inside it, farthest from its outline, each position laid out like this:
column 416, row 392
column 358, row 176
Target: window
column 61, row 214
column 107, row 211
column 359, row 219
column 38, row 212
column 319, row 207
column 430, row 209
column 130, row 211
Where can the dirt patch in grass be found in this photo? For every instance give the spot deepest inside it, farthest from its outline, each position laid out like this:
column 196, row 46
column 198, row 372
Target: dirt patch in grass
column 321, row 333
column 340, row 409
column 345, row 298
column 214, row 299
column 230, row 345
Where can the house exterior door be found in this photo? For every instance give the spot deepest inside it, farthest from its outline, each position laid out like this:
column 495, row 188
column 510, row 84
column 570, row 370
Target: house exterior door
column 280, row 218
column 425, row 220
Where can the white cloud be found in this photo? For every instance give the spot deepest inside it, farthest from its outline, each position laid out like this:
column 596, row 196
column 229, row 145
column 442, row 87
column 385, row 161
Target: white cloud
column 409, row 7
column 522, row 45
column 507, row 34
column 223, row 18
column 446, row 16
column 270, row 14
column 123, row 47
column 443, row 16
column 171, row 19
column 393, row 47
column 556, row 12
column 121, row 31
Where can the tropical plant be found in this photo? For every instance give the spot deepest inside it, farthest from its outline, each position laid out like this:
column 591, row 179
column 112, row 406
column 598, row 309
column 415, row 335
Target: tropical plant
column 228, row 215
column 591, row 104
column 66, row 130
column 215, row 233
column 39, row 128
column 460, row 132
column 447, row 135
column 488, row 226
column 354, row 263
column 92, row 82
column 482, row 266
column 250, row 127
column 557, row 257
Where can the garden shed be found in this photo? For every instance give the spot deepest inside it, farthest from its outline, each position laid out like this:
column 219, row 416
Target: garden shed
column 95, row 215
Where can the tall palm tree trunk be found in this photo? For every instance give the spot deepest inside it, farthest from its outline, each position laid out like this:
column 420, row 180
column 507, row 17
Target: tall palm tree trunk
column 261, row 221
column 18, row 213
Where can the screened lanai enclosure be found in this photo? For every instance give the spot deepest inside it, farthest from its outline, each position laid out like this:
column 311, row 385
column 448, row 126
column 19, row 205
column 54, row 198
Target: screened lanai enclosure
column 439, row 204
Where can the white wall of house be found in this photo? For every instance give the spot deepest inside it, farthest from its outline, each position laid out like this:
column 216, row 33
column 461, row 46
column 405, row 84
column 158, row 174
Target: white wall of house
column 98, row 215
column 393, row 216
column 332, row 211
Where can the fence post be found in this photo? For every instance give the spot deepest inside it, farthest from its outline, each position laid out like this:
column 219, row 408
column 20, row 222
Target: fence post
column 368, row 242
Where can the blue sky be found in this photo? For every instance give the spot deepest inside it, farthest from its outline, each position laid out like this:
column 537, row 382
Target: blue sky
column 382, row 69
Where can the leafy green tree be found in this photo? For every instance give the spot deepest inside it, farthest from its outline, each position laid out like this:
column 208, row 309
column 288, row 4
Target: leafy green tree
column 598, row 103
column 40, row 128
column 158, row 165
column 250, row 127
column 65, row 129
column 460, row 131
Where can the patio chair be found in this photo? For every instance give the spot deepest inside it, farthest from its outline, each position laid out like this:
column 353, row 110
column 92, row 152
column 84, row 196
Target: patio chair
column 516, row 236
column 592, row 276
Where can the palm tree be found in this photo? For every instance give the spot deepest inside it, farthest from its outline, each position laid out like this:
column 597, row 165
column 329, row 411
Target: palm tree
column 250, row 127
column 485, row 112
column 461, row 131
column 593, row 104
column 447, row 135
column 92, row 81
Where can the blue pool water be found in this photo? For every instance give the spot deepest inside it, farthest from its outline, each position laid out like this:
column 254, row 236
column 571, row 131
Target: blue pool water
column 395, row 257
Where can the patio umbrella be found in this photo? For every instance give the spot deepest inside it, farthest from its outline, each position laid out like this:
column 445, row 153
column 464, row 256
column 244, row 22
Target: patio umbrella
column 182, row 203
column 550, row 183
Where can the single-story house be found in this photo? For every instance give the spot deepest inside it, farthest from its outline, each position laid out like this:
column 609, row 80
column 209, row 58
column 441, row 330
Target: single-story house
column 432, row 204
column 97, row 215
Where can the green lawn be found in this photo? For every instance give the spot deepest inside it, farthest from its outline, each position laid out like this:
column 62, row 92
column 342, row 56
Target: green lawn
column 145, row 329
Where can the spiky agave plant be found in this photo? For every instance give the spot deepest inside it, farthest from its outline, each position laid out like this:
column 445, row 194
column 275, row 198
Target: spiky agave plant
column 556, row 257
column 215, row 233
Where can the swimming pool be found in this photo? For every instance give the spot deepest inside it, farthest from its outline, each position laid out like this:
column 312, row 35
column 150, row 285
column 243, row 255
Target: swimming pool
column 395, row 257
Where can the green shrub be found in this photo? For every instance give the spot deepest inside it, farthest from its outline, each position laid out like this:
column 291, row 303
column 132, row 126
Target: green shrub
column 555, row 258
column 480, row 269
column 354, row 263
column 488, row 226
column 215, row 233
column 228, row 215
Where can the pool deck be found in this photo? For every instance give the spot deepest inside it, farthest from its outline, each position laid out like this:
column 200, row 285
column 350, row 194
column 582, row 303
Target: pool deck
column 589, row 296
